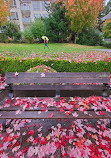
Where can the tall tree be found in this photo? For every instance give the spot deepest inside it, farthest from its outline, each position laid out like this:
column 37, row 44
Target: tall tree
column 4, row 10
column 56, row 24
column 82, row 13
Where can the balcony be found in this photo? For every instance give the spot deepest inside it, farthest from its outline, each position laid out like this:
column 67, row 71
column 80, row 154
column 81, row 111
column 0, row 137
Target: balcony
column 28, row 1
column 25, row 8
column 26, row 20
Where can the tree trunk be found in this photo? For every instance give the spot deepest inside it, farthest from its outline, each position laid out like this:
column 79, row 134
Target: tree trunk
column 75, row 38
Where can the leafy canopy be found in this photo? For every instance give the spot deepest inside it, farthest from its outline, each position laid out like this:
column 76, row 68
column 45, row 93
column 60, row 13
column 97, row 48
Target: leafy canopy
column 56, row 24
column 107, row 29
column 38, row 28
column 4, row 11
column 82, row 13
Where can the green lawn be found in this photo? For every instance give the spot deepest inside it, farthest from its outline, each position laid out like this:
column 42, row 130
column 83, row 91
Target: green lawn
column 26, row 50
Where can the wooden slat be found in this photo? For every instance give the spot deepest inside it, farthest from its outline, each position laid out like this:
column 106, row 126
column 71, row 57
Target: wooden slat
column 57, row 80
column 62, row 74
column 45, row 115
column 3, row 93
column 58, row 87
column 13, row 108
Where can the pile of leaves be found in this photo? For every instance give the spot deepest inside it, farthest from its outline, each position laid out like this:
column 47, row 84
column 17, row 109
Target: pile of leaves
column 41, row 68
column 69, row 138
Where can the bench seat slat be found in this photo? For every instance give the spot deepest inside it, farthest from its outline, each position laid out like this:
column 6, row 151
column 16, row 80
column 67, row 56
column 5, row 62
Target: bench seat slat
column 57, row 80
column 62, row 74
column 56, row 115
column 58, row 87
column 40, row 109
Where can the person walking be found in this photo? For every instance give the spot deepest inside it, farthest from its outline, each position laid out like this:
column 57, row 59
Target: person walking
column 45, row 43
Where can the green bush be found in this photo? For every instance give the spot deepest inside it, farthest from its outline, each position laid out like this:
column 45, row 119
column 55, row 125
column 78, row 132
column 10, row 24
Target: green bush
column 3, row 38
column 12, row 30
column 38, row 28
column 28, row 35
column 106, row 44
column 13, row 65
column 90, row 37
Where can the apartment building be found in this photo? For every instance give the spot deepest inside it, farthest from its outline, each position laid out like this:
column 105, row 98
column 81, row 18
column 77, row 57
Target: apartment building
column 26, row 11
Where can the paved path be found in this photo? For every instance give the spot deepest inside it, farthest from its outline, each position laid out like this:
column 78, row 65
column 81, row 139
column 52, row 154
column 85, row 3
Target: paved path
column 105, row 50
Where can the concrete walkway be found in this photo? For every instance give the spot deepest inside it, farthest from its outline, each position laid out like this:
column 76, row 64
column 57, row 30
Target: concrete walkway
column 105, row 50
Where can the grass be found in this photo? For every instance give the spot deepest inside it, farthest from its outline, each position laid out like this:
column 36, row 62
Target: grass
column 26, row 50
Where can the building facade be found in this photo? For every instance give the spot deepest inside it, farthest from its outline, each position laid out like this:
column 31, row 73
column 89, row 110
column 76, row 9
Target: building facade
column 26, row 11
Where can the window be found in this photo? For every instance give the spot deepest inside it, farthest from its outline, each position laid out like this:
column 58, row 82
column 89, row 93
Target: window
column 14, row 16
column 37, row 16
column 36, row 5
column 13, row 4
column 43, row 5
column 44, row 15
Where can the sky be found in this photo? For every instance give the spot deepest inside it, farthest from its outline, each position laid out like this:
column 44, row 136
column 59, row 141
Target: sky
column 106, row 1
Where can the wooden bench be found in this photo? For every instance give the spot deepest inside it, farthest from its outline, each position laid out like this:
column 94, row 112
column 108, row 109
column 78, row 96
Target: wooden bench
column 54, row 85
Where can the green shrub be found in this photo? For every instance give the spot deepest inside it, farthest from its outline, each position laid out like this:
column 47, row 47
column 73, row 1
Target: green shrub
column 90, row 37
column 12, row 30
column 28, row 35
column 38, row 28
column 3, row 38
column 106, row 44
column 13, row 65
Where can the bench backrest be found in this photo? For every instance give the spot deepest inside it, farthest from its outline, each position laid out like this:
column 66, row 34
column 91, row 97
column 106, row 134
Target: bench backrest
column 59, row 77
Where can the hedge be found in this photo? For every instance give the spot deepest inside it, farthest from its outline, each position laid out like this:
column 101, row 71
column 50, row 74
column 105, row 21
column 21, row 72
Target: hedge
column 13, row 65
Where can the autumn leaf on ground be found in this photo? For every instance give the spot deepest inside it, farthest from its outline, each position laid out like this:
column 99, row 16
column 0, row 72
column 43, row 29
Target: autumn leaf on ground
column 42, row 75
column 51, row 114
column 102, row 113
column 75, row 114
column 16, row 74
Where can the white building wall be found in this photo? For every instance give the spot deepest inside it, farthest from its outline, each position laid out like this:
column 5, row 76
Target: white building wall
column 25, row 17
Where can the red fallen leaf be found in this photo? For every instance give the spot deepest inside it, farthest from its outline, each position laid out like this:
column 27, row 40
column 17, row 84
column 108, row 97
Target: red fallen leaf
column 1, row 145
column 51, row 114
column 34, row 124
column 43, row 109
column 9, row 145
column 8, row 101
column 71, row 110
column 27, row 126
column 102, row 113
column 77, row 106
column 25, row 150
column 61, row 110
column 28, row 105
column 67, row 113
column 36, row 140
column 40, row 125
column 31, row 132
column 91, row 126
column 79, row 130
column 43, row 141
column 16, row 136
column 73, row 137
column 9, row 138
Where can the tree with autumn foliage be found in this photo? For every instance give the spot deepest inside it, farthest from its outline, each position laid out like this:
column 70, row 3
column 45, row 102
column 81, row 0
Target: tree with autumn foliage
column 107, row 29
column 82, row 13
column 4, row 11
